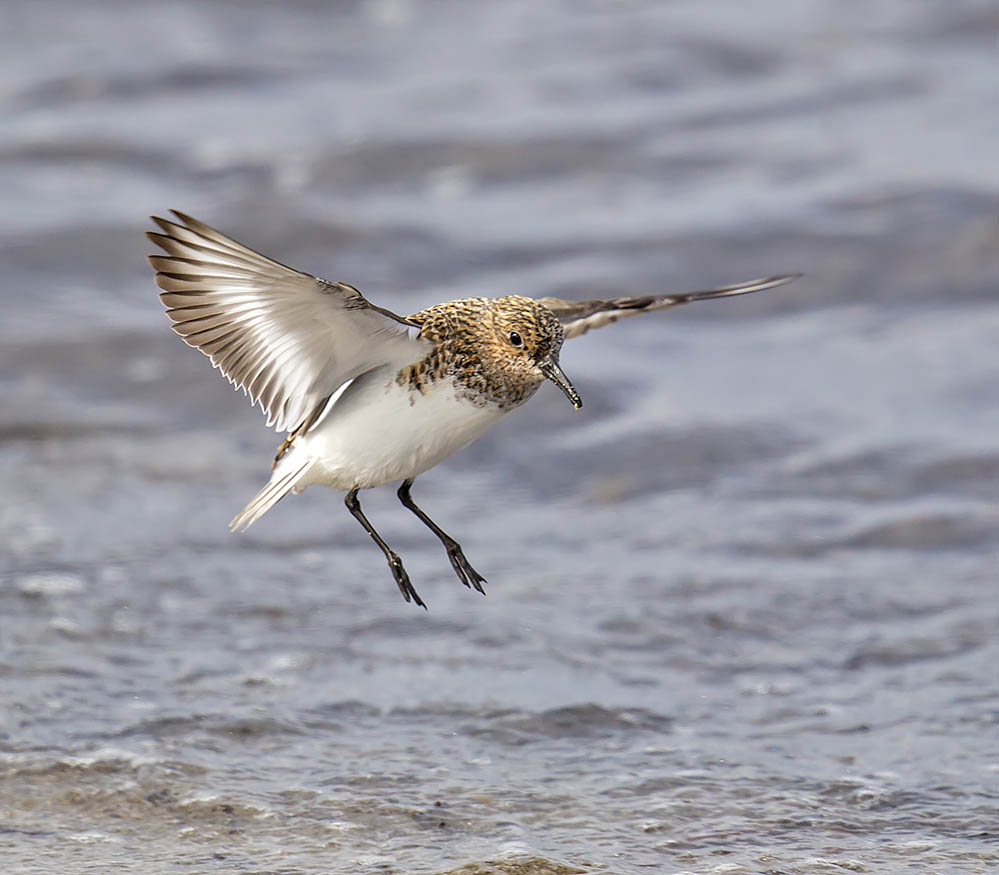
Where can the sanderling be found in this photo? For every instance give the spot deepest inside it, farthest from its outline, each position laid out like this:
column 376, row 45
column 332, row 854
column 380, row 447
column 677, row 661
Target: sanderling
column 365, row 396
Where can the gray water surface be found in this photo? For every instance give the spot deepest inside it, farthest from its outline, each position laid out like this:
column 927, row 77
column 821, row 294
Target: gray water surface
column 742, row 610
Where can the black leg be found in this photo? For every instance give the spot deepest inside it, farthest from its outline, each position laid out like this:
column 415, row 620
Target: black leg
column 462, row 567
column 395, row 563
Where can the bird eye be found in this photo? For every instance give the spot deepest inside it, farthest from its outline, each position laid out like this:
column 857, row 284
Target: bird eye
column 516, row 339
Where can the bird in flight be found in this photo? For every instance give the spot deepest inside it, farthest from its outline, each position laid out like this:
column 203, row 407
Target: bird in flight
column 364, row 396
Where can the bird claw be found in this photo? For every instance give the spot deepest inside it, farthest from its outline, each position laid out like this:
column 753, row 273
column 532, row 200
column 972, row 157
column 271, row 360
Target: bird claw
column 402, row 580
column 463, row 568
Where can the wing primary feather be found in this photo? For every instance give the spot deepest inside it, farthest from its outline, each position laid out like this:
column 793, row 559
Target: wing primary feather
column 578, row 317
column 287, row 339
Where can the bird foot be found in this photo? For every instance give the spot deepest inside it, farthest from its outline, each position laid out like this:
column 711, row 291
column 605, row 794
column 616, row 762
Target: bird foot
column 402, row 580
column 463, row 568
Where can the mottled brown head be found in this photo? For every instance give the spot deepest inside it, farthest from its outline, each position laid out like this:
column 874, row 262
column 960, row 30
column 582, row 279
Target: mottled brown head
column 528, row 338
column 497, row 350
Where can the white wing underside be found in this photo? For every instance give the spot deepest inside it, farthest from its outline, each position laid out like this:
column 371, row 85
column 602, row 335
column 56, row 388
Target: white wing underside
column 289, row 340
column 578, row 317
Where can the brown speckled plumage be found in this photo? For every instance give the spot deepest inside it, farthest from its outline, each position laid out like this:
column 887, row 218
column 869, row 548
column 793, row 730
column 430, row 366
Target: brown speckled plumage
column 473, row 348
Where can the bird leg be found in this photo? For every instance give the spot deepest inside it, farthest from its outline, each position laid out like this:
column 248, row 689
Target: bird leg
column 462, row 567
column 395, row 563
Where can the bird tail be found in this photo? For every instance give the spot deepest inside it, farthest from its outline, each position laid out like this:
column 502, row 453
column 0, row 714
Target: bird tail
column 285, row 478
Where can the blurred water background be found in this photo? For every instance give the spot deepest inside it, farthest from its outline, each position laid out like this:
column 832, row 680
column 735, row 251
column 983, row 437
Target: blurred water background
column 742, row 609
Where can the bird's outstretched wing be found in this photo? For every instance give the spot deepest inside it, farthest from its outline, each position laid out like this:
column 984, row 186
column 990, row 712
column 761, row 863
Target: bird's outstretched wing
column 289, row 340
column 578, row 317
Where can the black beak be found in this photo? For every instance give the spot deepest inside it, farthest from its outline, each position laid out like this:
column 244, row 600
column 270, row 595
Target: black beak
column 550, row 368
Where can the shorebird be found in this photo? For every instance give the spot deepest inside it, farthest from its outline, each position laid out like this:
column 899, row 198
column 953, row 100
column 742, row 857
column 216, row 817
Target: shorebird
column 367, row 397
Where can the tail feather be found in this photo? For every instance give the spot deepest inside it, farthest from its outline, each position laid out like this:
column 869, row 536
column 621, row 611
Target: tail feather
column 284, row 479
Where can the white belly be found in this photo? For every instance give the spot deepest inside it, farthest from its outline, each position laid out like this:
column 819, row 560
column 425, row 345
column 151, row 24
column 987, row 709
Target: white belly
column 380, row 433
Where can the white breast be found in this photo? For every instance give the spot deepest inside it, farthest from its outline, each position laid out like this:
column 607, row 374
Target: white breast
column 378, row 432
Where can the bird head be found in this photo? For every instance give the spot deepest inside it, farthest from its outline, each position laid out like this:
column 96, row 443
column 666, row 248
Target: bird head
column 528, row 338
